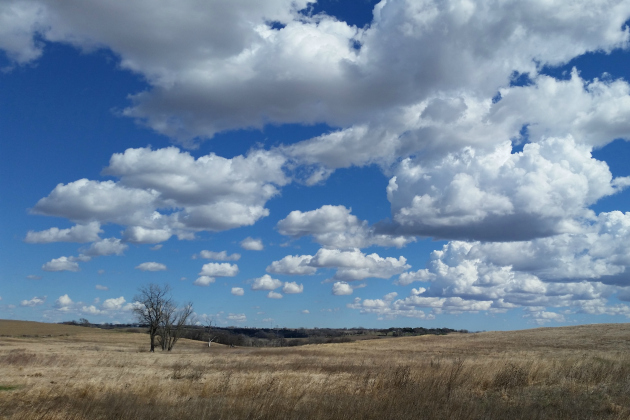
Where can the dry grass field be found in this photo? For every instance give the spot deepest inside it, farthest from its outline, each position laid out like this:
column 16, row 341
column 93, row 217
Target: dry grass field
column 65, row 372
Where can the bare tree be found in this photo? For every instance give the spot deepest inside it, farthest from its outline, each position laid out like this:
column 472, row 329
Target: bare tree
column 153, row 299
column 172, row 324
column 208, row 327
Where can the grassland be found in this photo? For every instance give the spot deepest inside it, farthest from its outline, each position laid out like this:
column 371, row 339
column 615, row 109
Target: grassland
column 578, row 372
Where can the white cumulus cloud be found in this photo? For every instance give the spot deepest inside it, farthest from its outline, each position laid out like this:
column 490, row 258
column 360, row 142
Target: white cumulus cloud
column 109, row 246
column 61, row 264
column 252, row 244
column 336, row 227
column 266, row 282
column 341, row 288
column 292, row 265
column 219, row 270
column 274, row 295
column 204, row 281
column 218, row 256
column 78, row 233
column 151, row 266
column 36, row 301
column 292, row 288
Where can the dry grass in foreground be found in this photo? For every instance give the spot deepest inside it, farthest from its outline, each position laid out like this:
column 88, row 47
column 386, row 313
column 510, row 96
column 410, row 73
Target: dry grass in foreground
column 552, row 373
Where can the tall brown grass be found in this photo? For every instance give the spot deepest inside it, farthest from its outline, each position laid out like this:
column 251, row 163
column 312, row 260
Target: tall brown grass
column 562, row 373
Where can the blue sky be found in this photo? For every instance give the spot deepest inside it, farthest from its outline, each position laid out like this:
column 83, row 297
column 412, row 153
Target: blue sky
column 329, row 164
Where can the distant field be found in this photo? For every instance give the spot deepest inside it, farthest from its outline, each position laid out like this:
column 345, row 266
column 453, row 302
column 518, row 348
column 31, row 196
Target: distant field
column 10, row 328
column 67, row 372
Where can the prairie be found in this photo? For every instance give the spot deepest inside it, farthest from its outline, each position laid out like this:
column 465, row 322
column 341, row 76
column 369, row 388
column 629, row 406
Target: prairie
column 68, row 372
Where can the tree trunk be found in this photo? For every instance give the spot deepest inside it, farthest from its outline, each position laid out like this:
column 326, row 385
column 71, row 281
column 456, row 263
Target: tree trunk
column 152, row 343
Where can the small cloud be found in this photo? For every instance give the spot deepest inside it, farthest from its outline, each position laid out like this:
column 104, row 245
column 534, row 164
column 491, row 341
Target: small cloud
column 341, row 288
column 34, row 302
column 219, row 270
column 61, row 264
column 156, row 247
column 183, row 278
column 99, row 287
column 390, row 296
column 101, row 272
column 114, row 303
column 266, row 283
column 78, row 233
column 239, row 318
column 292, row 288
column 238, row 291
column 267, row 320
column 274, row 295
column 151, row 266
column 252, row 244
column 306, row 311
column 104, row 247
column 217, row 256
column 33, row 277
column 63, row 301
column 204, row 281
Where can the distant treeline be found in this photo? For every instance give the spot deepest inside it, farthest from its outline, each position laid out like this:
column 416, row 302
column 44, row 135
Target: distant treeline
column 288, row 337
column 280, row 337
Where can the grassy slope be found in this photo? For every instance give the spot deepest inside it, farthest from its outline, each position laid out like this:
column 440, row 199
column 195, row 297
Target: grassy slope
column 11, row 328
column 570, row 372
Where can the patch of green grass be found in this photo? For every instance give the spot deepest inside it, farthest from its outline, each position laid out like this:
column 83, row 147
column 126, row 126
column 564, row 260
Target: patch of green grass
column 8, row 387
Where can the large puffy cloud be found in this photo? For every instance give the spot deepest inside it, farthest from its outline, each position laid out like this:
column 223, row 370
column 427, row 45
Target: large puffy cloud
column 355, row 265
column 106, row 201
column 549, row 278
column 208, row 193
column 599, row 252
column 336, row 227
column 293, row 265
column 593, row 113
column 221, row 66
column 350, row 265
column 18, row 23
column 541, row 191
column 78, row 233
column 576, row 272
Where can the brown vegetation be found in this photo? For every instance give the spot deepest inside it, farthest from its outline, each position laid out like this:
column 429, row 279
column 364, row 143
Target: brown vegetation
column 552, row 373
